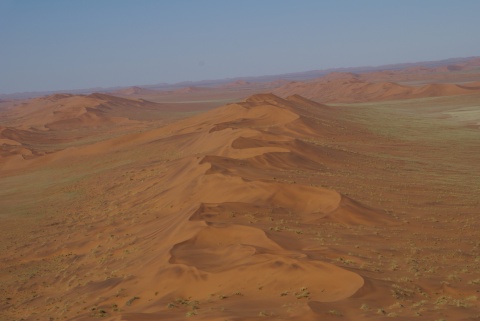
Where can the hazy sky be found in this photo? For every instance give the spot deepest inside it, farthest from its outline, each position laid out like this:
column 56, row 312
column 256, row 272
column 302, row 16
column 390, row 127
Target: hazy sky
column 54, row 45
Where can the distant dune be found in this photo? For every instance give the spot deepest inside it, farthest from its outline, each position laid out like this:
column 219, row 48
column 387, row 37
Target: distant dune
column 43, row 125
column 236, row 84
column 348, row 87
column 188, row 90
column 435, row 90
column 134, row 91
column 472, row 85
column 62, row 111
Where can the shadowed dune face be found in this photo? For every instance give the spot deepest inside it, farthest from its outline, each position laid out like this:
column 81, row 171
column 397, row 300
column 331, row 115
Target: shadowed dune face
column 226, row 215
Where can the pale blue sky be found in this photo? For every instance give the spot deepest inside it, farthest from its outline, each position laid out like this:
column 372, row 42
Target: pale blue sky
column 62, row 44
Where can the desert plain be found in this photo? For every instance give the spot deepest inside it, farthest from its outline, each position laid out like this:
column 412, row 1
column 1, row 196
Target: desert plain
column 353, row 196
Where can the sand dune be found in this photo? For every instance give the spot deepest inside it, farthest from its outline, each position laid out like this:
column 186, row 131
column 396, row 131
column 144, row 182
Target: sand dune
column 44, row 125
column 474, row 84
column 347, row 87
column 435, row 90
column 64, row 110
column 235, row 161
column 262, row 114
column 134, row 91
column 190, row 89
column 236, row 84
column 225, row 255
column 249, row 256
